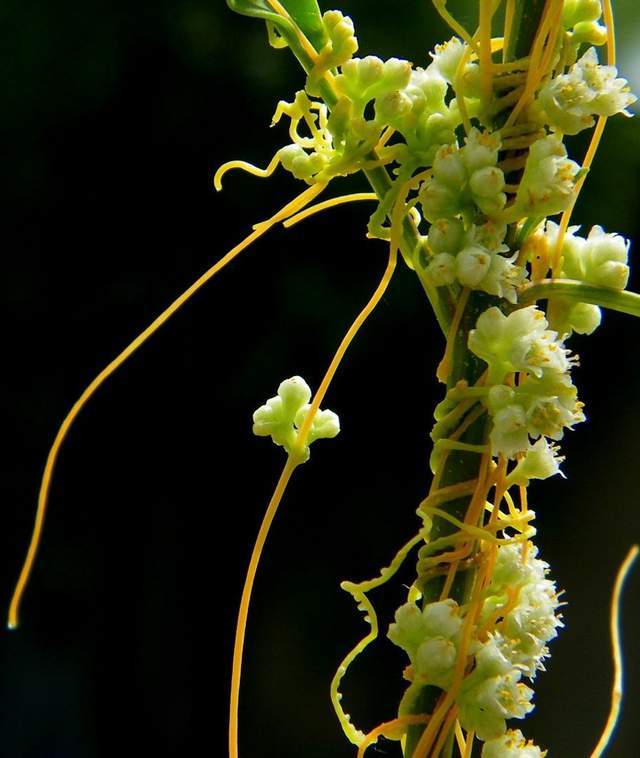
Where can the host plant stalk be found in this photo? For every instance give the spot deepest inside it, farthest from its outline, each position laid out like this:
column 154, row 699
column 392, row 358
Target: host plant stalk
column 459, row 465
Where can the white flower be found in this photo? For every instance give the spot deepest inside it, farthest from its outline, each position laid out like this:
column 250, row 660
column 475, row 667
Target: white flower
column 517, row 342
column 572, row 100
column 429, row 638
column 549, row 177
column 540, row 462
column 442, row 618
column 503, row 277
column 409, row 630
column 435, row 661
column 486, row 702
column 511, row 744
column 446, row 58
column 509, row 434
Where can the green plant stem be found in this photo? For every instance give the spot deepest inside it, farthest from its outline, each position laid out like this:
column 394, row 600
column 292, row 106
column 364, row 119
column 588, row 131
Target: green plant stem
column 579, row 292
column 460, row 465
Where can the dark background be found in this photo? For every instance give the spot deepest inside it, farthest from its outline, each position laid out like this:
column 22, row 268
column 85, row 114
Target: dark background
column 114, row 117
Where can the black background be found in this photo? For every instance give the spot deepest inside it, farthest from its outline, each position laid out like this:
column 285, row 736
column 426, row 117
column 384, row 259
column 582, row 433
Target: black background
column 114, row 117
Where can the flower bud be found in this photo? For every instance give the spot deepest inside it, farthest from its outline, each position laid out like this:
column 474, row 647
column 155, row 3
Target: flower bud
column 442, row 269
column 446, row 235
column 472, row 265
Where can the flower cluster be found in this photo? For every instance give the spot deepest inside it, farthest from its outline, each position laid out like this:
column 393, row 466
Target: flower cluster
column 474, row 258
column 465, row 180
column 571, row 100
column 511, row 744
column 543, row 404
column 549, row 178
column 517, row 621
column 282, row 417
column 601, row 259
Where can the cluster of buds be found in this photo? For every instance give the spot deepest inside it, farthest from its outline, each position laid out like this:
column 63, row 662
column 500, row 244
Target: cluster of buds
column 282, row 417
column 465, row 180
column 601, row 259
column 542, row 405
column 517, row 620
column 474, row 258
column 570, row 101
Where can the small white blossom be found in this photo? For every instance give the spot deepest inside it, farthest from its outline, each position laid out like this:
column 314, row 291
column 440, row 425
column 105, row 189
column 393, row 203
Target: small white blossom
column 511, row 744
column 487, row 702
column 540, row 462
column 429, row 637
column 572, row 100
column 520, row 341
column 549, row 177
column 435, row 662
column 442, row 618
column 504, row 277
column 509, row 434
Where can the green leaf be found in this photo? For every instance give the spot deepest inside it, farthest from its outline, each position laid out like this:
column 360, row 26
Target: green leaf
column 305, row 14
column 579, row 292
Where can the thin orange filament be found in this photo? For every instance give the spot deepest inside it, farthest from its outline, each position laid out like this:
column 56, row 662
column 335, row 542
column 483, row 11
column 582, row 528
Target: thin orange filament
column 295, row 205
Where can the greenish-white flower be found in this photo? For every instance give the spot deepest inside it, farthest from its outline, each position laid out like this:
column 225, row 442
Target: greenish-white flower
column 571, row 100
column 511, row 744
column 429, row 637
column 600, row 259
column 509, row 434
column 548, row 181
column 541, row 461
column 520, row 341
column 486, row 702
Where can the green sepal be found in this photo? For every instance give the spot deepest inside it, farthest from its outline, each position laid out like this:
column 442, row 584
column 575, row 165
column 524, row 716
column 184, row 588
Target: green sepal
column 579, row 292
column 305, row 13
